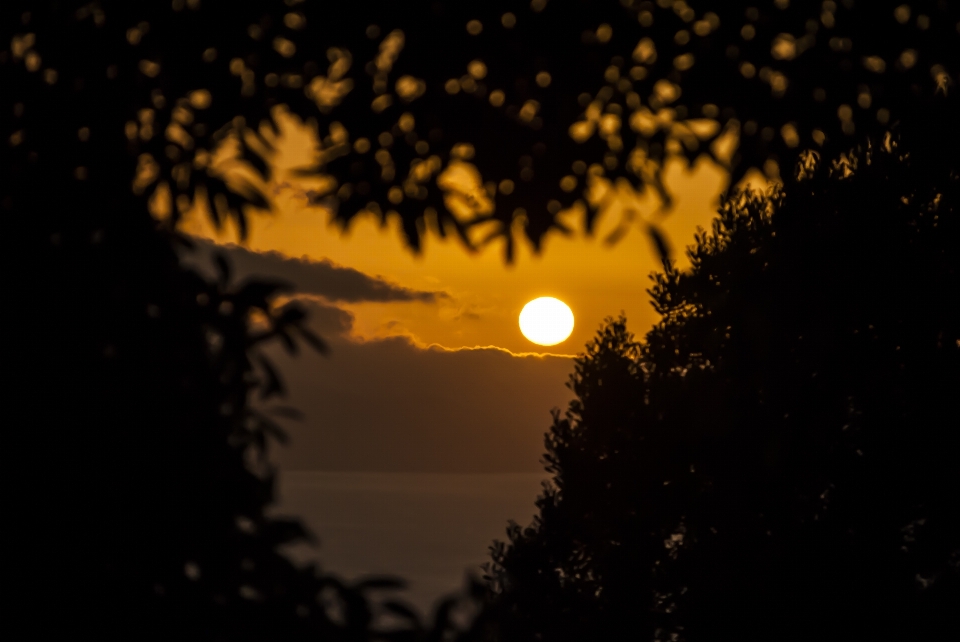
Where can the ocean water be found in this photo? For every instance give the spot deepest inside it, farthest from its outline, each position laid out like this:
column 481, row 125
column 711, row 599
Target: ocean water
column 430, row 529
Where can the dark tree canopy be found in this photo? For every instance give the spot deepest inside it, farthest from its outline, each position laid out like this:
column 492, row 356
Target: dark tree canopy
column 541, row 97
column 137, row 473
column 137, row 485
column 777, row 459
column 136, row 479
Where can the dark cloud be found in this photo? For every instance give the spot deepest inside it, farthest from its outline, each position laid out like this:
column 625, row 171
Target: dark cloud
column 322, row 278
column 391, row 406
column 326, row 319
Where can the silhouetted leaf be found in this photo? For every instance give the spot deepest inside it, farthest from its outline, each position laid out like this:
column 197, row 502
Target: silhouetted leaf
column 402, row 610
column 315, row 341
column 223, row 268
column 306, row 172
column 258, row 293
column 291, row 314
column 663, row 250
column 255, row 197
column 442, row 619
column 256, row 161
column 274, row 384
column 287, row 340
column 271, row 428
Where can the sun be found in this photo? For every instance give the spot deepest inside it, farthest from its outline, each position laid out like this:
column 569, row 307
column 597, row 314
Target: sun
column 546, row 321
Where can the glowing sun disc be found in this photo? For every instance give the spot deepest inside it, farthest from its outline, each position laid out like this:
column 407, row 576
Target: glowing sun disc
column 546, row 321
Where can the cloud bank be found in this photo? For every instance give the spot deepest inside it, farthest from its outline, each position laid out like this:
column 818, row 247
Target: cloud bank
column 322, row 278
column 391, row 404
column 388, row 405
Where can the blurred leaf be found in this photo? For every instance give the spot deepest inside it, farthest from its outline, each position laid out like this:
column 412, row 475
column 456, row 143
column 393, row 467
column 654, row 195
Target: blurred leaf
column 273, row 429
column 402, row 610
column 223, row 269
column 442, row 620
column 256, row 198
column 306, row 172
column 489, row 237
column 235, row 203
column 315, row 341
column 617, row 234
column 257, row 161
column 663, row 249
column 257, row 293
column 291, row 314
column 274, row 384
column 287, row 340
column 183, row 240
column 359, row 615
column 274, row 128
column 242, row 225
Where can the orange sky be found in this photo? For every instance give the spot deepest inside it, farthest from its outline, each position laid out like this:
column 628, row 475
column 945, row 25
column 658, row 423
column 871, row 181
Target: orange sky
column 486, row 295
column 424, row 383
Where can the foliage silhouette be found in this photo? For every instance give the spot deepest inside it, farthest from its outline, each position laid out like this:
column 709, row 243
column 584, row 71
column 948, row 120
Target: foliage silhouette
column 775, row 459
column 137, row 478
column 144, row 467
column 150, row 505
column 564, row 93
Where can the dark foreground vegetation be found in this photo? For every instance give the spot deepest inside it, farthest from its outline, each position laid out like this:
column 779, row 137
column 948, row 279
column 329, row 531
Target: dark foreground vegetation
column 775, row 460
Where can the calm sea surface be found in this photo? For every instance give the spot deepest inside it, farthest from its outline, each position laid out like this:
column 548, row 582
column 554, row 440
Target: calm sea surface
column 430, row 529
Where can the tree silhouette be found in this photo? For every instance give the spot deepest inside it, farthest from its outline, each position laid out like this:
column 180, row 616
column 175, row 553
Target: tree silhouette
column 141, row 445
column 476, row 111
column 566, row 576
column 140, row 474
column 137, row 477
column 774, row 461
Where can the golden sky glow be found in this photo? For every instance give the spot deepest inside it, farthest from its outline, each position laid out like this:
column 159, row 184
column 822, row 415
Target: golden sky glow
column 485, row 294
column 437, row 376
